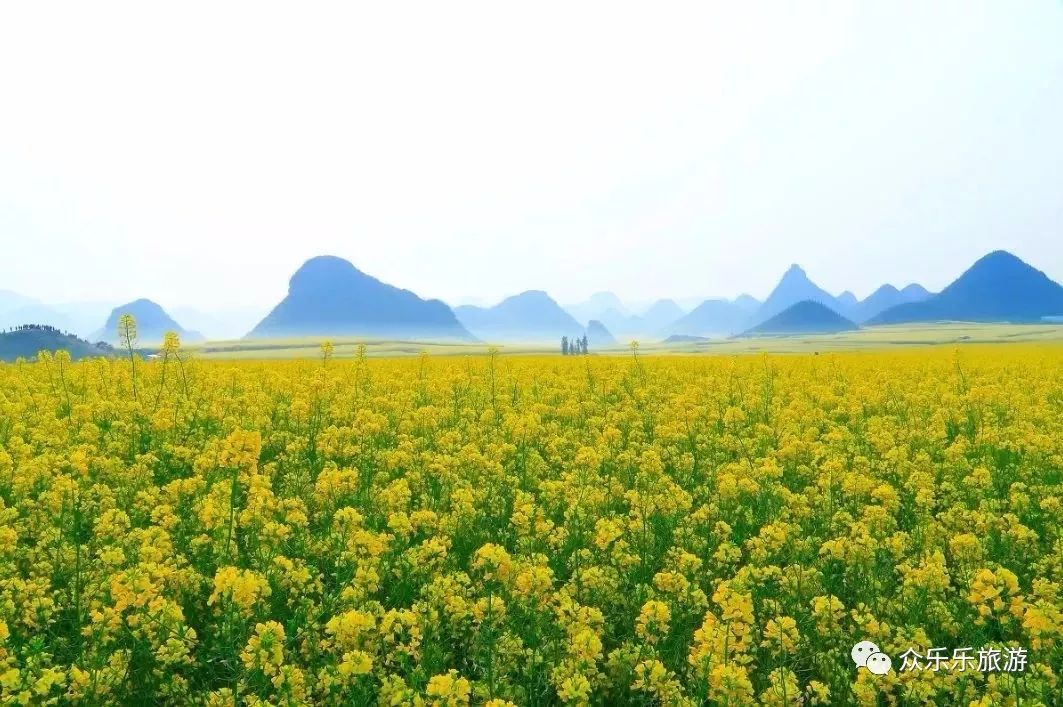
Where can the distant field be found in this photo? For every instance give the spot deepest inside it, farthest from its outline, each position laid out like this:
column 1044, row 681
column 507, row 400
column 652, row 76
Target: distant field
column 871, row 337
column 906, row 335
column 345, row 347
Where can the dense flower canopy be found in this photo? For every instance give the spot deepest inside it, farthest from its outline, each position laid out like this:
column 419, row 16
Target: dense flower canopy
column 529, row 530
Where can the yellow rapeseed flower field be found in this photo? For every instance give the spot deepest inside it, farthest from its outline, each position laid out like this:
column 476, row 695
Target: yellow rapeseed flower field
column 530, row 530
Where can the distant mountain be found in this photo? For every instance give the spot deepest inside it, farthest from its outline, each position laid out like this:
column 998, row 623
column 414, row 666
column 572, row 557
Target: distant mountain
column 846, row 304
column 328, row 296
column 620, row 322
column 598, row 336
column 657, row 317
column 34, row 312
column 684, row 339
column 596, row 305
column 915, row 293
column 27, row 341
column 17, row 309
column 885, row 297
column 713, row 316
column 660, row 315
column 12, row 300
column 529, row 316
column 794, row 287
column 805, row 317
column 999, row 287
column 152, row 324
column 747, row 303
column 79, row 318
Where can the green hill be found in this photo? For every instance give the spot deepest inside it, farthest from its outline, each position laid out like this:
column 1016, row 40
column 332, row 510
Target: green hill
column 805, row 317
column 25, row 341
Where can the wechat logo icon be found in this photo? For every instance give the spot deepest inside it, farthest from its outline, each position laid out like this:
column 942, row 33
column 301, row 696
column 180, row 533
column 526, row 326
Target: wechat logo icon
column 867, row 655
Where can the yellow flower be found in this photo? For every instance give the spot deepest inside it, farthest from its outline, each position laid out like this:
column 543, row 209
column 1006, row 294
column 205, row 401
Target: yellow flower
column 781, row 634
column 783, row 689
column 171, row 342
column 989, row 591
column 449, row 690
column 265, row 649
column 730, row 685
column 358, row 526
column 351, row 629
column 494, row 562
column 355, row 663
column 653, row 621
column 574, row 689
column 828, row 612
column 653, row 677
column 586, row 646
column 244, row 588
column 818, row 693
column 966, row 548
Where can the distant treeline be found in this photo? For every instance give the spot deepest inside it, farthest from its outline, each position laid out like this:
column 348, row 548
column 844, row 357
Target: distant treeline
column 39, row 327
column 576, row 347
column 55, row 331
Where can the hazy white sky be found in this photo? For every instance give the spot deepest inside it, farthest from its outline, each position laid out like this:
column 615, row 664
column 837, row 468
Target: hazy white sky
column 197, row 153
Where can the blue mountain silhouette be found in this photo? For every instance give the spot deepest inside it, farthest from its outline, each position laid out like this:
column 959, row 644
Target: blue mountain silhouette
column 794, row 287
column 999, row 287
column 529, row 316
column 329, row 296
column 152, row 324
column 806, row 317
column 885, row 297
column 713, row 316
column 598, row 336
